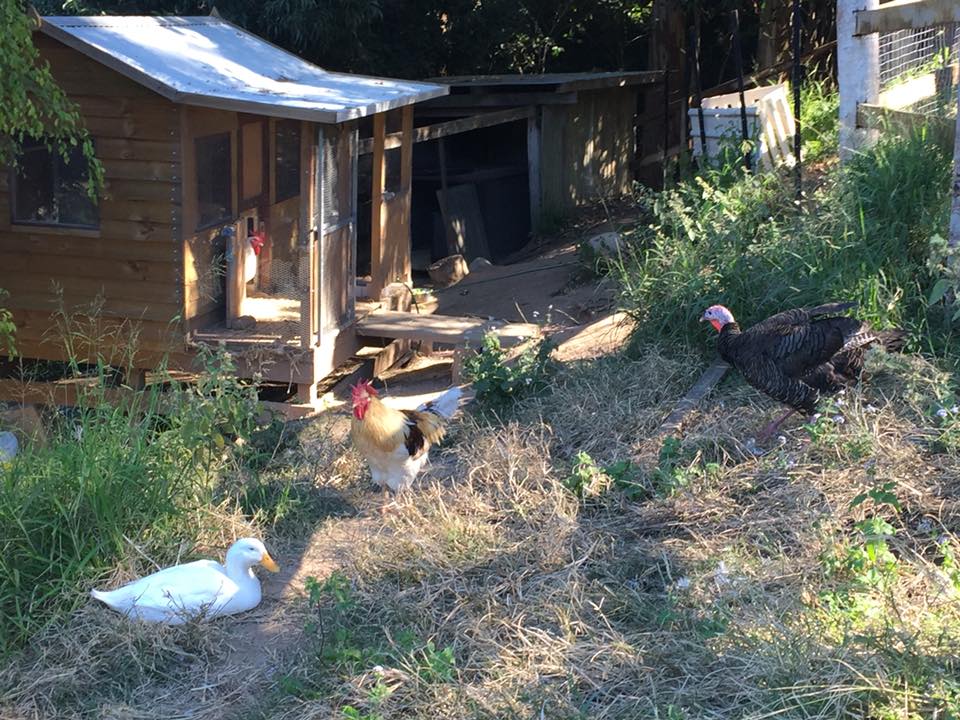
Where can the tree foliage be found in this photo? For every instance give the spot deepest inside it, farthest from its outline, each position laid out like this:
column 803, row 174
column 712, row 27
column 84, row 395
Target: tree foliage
column 31, row 102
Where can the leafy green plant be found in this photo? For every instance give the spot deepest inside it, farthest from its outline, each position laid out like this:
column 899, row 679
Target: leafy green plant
column 588, row 478
column 674, row 471
column 34, row 106
column 7, row 329
column 497, row 381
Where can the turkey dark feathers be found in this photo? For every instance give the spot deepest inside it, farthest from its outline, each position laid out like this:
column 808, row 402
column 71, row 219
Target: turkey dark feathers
column 797, row 355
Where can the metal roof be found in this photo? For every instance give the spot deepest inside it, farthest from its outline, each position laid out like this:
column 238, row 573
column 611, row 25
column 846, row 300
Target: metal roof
column 209, row 62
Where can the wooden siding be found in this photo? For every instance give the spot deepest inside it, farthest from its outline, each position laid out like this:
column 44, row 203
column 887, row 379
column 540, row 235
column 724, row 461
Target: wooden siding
column 586, row 149
column 128, row 272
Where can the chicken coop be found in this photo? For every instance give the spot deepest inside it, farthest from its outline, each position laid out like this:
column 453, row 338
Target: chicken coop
column 228, row 215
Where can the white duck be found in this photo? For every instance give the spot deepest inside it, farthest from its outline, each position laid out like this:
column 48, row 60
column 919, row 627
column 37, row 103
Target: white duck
column 201, row 588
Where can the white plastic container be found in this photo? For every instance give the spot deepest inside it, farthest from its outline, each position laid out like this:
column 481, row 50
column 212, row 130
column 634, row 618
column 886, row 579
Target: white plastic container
column 769, row 121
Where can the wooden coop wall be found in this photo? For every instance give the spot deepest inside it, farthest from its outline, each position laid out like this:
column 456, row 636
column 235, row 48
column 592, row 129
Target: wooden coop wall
column 586, row 148
column 129, row 268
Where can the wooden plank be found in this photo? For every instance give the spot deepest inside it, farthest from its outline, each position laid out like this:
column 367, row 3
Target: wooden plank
column 41, row 285
column 44, row 244
column 464, row 221
column 163, row 126
column 121, row 107
column 111, row 308
column 143, row 190
column 138, row 230
column 445, row 329
column 136, row 149
column 134, row 211
column 907, row 15
column 640, row 77
column 168, row 171
column 42, row 327
column 533, row 170
column 236, row 287
column 876, row 117
column 704, row 385
column 31, row 262
column 486, row 100
column 377, row 225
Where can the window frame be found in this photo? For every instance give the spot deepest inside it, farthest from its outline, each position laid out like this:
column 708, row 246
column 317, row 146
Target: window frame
column 230, row 212
column 14, row 185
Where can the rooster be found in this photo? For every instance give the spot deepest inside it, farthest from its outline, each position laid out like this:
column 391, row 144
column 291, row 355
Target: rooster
column 395, row 443
column 798, row 355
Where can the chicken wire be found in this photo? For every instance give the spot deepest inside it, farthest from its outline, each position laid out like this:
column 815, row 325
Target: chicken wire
column 909, row 54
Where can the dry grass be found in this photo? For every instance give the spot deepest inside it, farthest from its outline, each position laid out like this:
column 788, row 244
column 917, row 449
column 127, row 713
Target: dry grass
column 719, row 584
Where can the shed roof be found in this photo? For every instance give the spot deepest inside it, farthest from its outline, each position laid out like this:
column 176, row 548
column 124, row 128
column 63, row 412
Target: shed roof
column 559, row 82
column 209, row 62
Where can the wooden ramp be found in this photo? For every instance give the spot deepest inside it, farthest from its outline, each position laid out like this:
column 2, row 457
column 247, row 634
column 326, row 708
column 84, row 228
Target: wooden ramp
column 459, row 332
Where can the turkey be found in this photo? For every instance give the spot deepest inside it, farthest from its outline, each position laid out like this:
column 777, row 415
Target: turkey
column 798, row 355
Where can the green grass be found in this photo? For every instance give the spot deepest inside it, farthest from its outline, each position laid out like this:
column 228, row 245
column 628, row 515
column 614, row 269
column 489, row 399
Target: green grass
column 740, row 240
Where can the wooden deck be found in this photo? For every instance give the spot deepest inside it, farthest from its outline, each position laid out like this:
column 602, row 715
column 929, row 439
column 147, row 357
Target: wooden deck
column 443, row 329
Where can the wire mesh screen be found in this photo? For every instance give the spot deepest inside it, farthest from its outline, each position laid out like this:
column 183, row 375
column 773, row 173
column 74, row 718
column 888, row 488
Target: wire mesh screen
column 917, row 69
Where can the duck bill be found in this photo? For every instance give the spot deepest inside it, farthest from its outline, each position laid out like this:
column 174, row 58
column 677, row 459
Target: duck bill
column 269, row 563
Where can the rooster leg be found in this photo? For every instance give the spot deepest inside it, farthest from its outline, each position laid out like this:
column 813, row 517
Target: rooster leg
column 773, row 427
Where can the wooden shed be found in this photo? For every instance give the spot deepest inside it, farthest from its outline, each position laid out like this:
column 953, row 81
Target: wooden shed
column 229, row 214
column 500, row 155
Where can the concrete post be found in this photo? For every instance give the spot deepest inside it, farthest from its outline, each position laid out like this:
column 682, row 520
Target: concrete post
column 858, row 74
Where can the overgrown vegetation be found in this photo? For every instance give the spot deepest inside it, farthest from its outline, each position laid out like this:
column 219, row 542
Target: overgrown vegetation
column 864, row 234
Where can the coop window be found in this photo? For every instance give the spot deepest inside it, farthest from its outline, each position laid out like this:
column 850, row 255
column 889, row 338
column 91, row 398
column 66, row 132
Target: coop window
column 214, row 186
column 287, row 144
column 51, row 190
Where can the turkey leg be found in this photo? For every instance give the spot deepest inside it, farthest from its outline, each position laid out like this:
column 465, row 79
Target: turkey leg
column 773, row 427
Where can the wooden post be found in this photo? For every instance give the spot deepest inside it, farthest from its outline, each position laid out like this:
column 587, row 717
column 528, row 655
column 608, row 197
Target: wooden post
column 698, row 87
column 738, row 63
column 954, row 238
column 533, row 167
column 858, row 74
column 377, row 229
column 797, row 80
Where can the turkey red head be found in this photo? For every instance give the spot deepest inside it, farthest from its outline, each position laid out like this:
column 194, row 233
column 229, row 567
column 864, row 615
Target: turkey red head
column 718, row 316
column 361, row 393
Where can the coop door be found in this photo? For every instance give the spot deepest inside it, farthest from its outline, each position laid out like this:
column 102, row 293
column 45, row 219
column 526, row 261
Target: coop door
column 337, row 179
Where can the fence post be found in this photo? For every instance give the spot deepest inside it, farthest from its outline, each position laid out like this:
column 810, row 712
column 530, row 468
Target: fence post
column 858, row 73
column 953, row 239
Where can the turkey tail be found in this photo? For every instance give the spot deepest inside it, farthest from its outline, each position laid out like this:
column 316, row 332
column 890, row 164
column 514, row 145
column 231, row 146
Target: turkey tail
column 893, row 340
column 831, row 308
column 445, row 405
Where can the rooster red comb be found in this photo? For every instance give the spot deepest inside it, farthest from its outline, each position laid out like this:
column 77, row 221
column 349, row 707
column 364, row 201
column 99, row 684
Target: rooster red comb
column 362, row 389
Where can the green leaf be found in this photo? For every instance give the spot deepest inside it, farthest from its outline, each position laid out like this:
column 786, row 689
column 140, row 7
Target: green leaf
column 940, row 289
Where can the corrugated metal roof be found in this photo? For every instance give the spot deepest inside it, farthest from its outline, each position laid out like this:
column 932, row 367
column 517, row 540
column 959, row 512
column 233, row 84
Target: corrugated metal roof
column 209, row 62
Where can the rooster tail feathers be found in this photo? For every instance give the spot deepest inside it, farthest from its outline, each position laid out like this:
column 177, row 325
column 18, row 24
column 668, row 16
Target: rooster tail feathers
column 445, row 405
